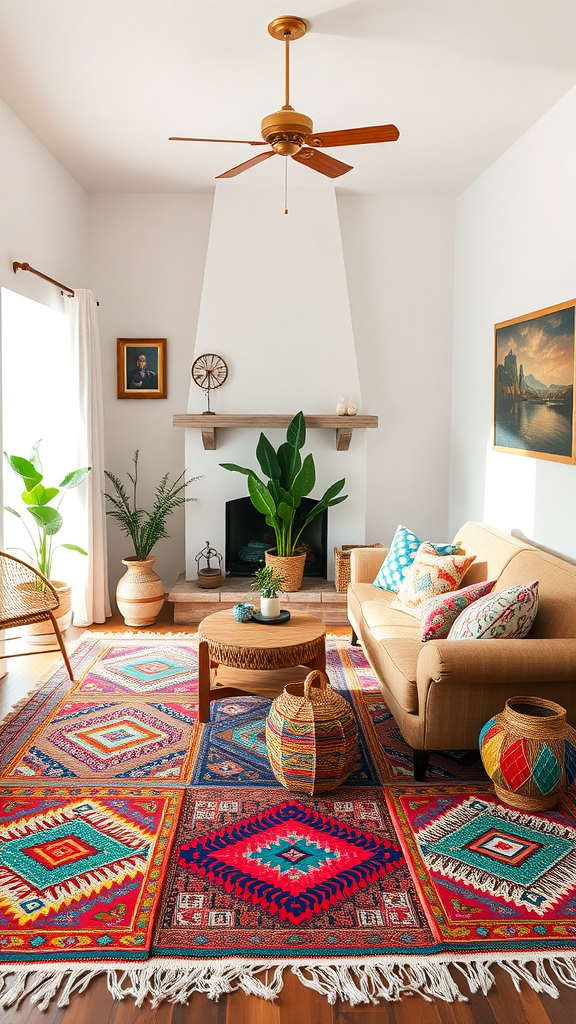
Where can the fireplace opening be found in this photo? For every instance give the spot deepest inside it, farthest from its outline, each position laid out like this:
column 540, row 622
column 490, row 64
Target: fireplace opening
column 248, row 536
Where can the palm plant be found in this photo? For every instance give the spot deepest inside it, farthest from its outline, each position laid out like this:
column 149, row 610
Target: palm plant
column 289, row 480
column 146, row 528
column 268, row 581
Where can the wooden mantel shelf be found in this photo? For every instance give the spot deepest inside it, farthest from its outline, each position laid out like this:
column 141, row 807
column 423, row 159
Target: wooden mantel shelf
column 208, row 424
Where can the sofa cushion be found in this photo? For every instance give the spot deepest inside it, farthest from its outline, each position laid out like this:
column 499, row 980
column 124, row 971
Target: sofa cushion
column 438, row 614
column 430, row 574
column 400, row 556
column 395, row 661
column 556, row 590
column 507, row 614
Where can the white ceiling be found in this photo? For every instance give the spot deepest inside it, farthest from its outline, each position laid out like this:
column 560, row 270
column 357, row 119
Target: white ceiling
column 103, row 83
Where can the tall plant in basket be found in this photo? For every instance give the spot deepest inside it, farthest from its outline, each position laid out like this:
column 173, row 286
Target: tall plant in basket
column 289, row 479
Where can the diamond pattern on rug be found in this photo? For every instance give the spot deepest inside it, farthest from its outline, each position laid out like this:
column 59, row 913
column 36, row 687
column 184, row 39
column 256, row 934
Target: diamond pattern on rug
column 489, row 872
column 81, row 872
column 148, row 669
column 118, row 740
column 233, row 747
column 255, row 872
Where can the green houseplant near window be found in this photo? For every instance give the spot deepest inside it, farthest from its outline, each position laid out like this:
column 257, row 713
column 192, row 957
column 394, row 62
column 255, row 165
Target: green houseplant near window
column 43, row 521
column 289, row 480
column 140, row 592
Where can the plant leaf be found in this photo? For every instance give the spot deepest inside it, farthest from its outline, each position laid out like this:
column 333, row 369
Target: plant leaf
column 267, row 458
column 330, row 492
column 336, row 501
column 48, row 519
column 74, row 547
column 261, row 497
column 306, row 478
column 39, row 495
column 285, row 512
column 290, row 463
column 233, row 468
column 296, row 433
column 75, row 477
column 14, row 513
column 25, row 469
column 35, row 456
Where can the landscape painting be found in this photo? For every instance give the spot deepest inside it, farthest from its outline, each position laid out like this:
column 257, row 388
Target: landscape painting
column 534, row 384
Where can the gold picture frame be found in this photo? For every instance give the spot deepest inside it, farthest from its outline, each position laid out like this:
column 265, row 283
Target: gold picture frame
column 534, row 378
column 141, row 367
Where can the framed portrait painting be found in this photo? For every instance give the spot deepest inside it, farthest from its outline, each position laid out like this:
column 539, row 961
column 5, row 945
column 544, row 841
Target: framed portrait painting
column 534, row 384
column 141, row 367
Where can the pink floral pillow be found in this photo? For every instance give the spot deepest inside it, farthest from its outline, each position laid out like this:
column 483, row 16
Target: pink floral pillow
column 506, row 614
column 440, row 612
column 430, row 574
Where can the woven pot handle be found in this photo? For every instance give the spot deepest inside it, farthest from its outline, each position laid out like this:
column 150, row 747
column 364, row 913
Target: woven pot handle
column 311, row 679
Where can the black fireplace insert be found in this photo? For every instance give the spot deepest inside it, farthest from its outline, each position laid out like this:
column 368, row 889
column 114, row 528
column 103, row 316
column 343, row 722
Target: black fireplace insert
column 248, row 536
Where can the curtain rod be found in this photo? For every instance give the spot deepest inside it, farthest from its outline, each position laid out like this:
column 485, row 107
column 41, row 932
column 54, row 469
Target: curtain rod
column 63, row 287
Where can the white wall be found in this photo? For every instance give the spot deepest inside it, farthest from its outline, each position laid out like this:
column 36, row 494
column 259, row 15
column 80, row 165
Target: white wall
column 43, row 218
column 515, row 253
column 147, row 255
column 399, row 255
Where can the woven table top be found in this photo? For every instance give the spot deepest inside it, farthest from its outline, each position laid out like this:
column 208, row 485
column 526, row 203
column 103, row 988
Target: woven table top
column 253, row 645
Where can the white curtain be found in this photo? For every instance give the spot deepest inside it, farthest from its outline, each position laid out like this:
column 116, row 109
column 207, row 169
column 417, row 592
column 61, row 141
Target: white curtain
column 91, row 601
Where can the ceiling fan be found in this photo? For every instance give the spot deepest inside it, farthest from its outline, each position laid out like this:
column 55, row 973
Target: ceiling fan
column 289, row 133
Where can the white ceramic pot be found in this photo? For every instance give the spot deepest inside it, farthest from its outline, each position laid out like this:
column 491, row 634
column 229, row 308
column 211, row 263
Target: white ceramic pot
column 270, row 607
column 41, row 634
column 140, row 592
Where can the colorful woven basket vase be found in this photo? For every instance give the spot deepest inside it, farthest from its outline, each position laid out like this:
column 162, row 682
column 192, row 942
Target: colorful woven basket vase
column 311, row 736
column 529, row 752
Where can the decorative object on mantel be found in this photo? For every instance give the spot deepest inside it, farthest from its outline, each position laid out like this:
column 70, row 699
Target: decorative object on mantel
column 529, row 752
column 311, row 736
column 46, row 522
column 269, row 582
column 140, row 592
column 209, row 577
column 209, row 371
column 342, row 564
column 346, row 406
column 342, row 425
column 289, row 480
column 141, row 367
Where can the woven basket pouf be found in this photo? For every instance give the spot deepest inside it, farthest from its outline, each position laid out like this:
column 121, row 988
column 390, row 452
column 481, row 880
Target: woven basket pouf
column 311, row 736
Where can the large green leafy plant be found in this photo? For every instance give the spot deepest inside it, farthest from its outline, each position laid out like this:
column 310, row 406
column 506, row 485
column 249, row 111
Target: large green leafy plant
column 289, row 480
column 145, row 528
column 45, row 518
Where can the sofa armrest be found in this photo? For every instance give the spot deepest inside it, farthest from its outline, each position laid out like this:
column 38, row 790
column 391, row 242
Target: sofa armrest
column 482, row 662
column 365, row 564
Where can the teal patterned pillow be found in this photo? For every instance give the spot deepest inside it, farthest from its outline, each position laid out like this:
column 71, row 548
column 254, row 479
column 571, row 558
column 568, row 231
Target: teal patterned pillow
column 402, row 553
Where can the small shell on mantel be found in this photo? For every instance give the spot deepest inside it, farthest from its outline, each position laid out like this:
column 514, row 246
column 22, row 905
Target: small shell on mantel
column 346, row 406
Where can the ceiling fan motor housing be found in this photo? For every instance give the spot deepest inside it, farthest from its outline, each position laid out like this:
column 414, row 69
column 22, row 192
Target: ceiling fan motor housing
column 285, row 130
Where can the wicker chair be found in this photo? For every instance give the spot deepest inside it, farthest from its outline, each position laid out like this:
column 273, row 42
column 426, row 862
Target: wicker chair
column 26, row 596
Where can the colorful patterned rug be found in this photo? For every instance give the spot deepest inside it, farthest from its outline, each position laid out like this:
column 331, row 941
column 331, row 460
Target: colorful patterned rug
column 217, row 878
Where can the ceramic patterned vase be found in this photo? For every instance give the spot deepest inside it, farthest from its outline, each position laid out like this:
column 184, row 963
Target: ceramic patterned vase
column 529, row 752
column 140, row 592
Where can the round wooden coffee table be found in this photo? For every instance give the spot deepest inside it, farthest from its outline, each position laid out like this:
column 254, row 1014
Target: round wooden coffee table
column 250, row 645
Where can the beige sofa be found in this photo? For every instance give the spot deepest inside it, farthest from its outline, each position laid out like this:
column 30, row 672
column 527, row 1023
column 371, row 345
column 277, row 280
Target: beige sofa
column 441, row 692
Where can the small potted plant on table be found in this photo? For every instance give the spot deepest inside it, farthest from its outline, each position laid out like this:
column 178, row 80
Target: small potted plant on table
column 269, row 582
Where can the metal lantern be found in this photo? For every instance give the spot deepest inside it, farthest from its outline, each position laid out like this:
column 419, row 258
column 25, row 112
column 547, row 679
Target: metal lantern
column 209, row 577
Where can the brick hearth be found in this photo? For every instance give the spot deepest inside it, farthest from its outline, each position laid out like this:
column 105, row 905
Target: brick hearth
column 317, row 596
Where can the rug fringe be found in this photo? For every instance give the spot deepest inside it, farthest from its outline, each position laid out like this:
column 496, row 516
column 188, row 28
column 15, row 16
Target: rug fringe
column 353, row 983
column 123, row 634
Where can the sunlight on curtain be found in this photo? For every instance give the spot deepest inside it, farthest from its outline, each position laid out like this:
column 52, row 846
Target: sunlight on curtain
column 38, row 401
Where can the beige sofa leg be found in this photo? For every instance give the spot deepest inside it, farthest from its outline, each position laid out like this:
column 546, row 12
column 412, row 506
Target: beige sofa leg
column 354, row 639
column 420, row 760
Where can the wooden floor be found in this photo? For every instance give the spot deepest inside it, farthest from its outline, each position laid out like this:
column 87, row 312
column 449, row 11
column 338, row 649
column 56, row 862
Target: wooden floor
column 296, row 1004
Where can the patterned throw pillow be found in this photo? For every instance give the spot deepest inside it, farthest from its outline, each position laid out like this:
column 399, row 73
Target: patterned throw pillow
column 430, row 574
column 438, row 614
column 508, row 614
column 400, row 556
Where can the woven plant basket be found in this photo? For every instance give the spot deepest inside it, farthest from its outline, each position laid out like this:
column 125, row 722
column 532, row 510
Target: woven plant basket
column 342, row 564
column 311, row 736
column 291, row 567
column 529, row 752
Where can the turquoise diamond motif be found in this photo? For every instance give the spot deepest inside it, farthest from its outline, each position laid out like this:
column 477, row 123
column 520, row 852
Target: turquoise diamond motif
column 546, row 772
column 295, row 852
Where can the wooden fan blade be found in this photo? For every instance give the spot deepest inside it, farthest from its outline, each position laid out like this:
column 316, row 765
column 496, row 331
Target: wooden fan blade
column 355, row 136
column 243, row 142
column 327, row 165
column 246, row 165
